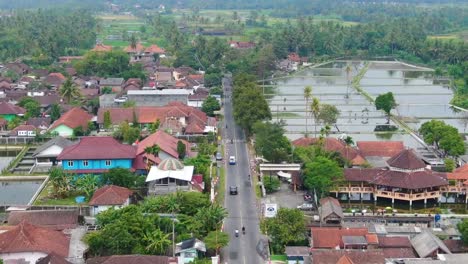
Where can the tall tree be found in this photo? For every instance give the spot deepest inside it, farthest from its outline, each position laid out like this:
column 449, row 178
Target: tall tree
column 385, row 102
column 328, row 114
column 181, row 149
column 287, row 227
column 307, row 96
column 107, row 120
column 55, row 112
column 315, row 111
column 69, row 90
column 271, row 142
column 210, row 105
column 322, row 174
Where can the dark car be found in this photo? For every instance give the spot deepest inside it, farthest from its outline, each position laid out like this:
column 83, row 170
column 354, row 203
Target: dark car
column 233, row 190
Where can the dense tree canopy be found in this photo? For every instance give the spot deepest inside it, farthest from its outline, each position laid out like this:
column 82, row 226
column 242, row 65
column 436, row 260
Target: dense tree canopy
column 385, row 102
column 45, row 35
column 109, row 64
column 443, row 136
column 288, row 226
column 249, row 103
column 270, row 141
column 322, row 174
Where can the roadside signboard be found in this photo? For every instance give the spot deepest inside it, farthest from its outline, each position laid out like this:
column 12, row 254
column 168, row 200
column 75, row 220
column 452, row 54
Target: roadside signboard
column 271, row 210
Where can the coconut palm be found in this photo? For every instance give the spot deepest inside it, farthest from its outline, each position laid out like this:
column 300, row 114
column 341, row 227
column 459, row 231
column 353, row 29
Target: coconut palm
column 315, row 110
column 348, row 81
column 69, row 91
column 307, row 96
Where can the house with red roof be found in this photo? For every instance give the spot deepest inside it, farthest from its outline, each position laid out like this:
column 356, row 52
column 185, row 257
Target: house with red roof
column 405, row 177
column 24, row 131
column 26, row 243
column 101, row 48
column 334, row 145
column 168, row 149
column 458, row 181
column 109, row 196
column 154, row 49
column 10, row 111
column 55, row 79
column 76, row 117
column 96, row 155
column 342, row 238
column 176, row 117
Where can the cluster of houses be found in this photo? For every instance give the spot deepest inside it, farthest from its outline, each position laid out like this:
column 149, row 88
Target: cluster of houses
column 388, row 170
column 336, row 241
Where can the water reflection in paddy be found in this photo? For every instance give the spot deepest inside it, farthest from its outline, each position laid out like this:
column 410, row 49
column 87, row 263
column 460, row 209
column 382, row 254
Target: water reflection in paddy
column 418, row 97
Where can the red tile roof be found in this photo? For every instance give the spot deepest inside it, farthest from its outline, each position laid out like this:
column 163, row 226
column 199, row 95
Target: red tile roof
column 110, row 195
column 406, row 180
column 130, row 259
column 333, row 144
column 166, row 142
column 73, row 118
column 406, row 159
column 460, row 173
column 344, row 260
column 11, row 109
column 54, row 219
column 328, row 237
column 155, row 49
column 394, row 242
column 355, row 256
column 101, row 47
column 138, row 48
column 148, row 115
column 97, row 148
column 380, row 148
column 399, row 253
column 29, row 238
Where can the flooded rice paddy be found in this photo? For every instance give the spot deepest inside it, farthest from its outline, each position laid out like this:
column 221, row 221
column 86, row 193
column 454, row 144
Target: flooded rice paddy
column 419, row 97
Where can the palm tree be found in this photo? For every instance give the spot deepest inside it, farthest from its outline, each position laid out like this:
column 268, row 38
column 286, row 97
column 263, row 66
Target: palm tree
column 133, row 41
column 157, row 242
column 348, row 81
column 307, row 96
column 315, row 109
column 173, row 207
column 69, row 90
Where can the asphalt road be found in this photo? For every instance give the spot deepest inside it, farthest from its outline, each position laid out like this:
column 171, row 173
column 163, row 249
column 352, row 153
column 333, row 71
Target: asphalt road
column 242, row 208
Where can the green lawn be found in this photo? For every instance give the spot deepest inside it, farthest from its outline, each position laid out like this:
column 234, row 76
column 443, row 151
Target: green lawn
column 279, row 258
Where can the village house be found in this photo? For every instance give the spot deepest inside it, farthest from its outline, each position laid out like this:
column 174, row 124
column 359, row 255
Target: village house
column 348, row 257
column 297, row 255
column 99, row 47
column 405, row 177
column 52, row 219
column 169, row 176
column 241, row 44
column 109, row 196
column 189, row 250
column 152, row 97
column 114, row 83
column 167, row 149
column 24, row 131
column 133, row 259
column 428, row 245
column 330, row 211
column 331, row 144
column 342, row 238
column 54, row 80
column 46, row 154
column 96, row 155
column 18, row 67
column 27, row 243
column 10, row 111
column 72, row 119
column 69, row 59
column 175, row 117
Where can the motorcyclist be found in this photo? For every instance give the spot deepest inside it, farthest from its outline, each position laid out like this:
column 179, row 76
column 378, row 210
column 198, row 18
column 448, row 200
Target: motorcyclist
column 243, row 230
